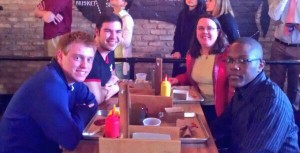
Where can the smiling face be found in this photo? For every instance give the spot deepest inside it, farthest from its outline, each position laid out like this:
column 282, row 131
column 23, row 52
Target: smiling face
column 207, row 32
column 240, row 74
column 77, row 63
column 210, row 5
column 108, row 36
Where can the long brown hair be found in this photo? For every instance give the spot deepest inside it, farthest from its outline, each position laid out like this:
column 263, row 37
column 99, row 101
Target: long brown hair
column 218, row 46
column 222, row 7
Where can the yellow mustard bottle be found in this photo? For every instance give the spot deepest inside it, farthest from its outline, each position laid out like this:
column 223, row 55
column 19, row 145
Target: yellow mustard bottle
column 165, row 88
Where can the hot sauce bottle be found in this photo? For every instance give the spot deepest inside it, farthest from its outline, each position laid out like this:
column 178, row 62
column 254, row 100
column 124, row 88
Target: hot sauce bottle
column 165, row 87
column 112, row 124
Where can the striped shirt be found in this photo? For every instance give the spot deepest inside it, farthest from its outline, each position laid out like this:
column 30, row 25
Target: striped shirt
column 260, row 119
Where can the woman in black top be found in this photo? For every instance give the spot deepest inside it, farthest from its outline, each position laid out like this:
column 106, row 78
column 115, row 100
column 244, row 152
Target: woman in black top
column 222, row 10
column 185, row 26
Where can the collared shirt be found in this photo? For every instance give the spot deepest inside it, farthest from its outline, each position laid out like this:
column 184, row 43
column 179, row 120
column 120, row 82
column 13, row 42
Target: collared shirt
column 260, row 119
column 46, row 113
column 278, row 11
column 102, row 68
column 124, row 49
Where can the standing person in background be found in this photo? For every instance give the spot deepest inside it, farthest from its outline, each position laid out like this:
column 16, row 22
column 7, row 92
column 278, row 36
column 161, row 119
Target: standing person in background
column 102, row 81
column 206, row 70
column 286, row 46
column 51, row 109
column 57, row 17
column 221, row 9
column 124, row 49
column 186, row 23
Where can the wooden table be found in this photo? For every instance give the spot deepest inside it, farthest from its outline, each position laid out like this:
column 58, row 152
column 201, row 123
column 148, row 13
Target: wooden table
column 91, row 146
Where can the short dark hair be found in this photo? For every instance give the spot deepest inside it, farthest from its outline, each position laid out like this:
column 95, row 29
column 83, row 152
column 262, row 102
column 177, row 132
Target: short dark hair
column 219, row 45
column 75, row 37
column 107, row 17
column 253, row 44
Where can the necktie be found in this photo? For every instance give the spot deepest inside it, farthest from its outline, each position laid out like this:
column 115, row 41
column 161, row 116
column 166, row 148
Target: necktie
column 290, row 17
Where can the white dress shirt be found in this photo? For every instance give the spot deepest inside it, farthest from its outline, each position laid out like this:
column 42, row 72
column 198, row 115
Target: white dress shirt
column 278, row 12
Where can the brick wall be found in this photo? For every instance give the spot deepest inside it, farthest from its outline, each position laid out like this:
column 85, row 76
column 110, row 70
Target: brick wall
column 21, row 34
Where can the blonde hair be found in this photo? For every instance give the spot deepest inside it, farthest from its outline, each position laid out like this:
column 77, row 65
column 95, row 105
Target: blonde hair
column 75, row 37
column 222, row 7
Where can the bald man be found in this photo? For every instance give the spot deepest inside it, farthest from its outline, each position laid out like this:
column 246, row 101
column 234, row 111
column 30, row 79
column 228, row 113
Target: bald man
column 260, row 117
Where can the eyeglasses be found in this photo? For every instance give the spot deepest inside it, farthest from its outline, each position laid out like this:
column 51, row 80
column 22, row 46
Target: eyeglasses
column 209, row 28
column 240, row 60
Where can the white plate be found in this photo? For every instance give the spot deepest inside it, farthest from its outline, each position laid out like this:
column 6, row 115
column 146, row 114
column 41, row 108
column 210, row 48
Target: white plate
column 155, row 136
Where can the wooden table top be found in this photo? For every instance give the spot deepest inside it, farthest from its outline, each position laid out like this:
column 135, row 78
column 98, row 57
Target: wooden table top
column 209, row 146
column 88, row 146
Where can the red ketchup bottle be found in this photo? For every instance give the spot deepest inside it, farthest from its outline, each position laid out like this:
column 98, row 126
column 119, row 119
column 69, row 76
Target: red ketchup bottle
column 112, row 125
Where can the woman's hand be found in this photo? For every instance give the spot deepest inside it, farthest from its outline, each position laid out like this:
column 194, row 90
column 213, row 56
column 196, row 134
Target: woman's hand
column 173, row 81
column 176, row 55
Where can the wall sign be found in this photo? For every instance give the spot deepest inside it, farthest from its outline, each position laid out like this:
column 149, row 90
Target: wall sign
column 91, row 9
column 168, row 10
column 162, row 10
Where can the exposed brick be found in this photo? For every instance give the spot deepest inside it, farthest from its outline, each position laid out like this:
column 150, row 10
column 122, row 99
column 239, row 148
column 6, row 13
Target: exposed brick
column 149, row 26
column 136, row 37
column 14, row 19
column 5, row 25
column 141, row 31
column 22, row 34
column 29, row 19
column 170, row 44
column 166, row 26
column 149, row 37
column 139, row 43
column 21, row 25
column 166, row 37
column 158, row 32
column 156, row 43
